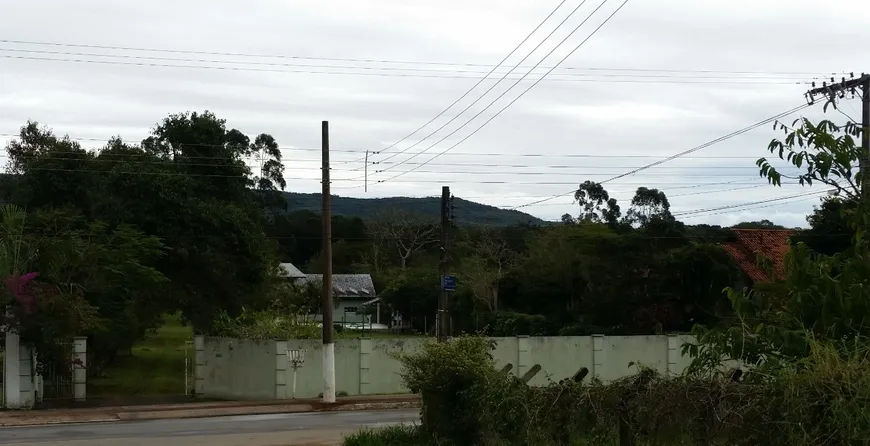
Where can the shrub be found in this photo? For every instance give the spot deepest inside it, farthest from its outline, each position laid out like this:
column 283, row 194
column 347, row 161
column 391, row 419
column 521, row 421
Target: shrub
column 386, row 436
column 463, row 395
column 508, row 323
column 821, row 400
column 260, row 325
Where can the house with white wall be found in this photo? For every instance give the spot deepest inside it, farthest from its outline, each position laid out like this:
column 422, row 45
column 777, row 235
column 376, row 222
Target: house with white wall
column 352, row 293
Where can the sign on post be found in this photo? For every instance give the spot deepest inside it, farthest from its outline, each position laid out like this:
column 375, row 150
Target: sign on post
column 448, row 283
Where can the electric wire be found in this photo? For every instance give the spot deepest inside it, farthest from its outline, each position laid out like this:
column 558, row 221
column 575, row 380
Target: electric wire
column 521, row 94
column 681, row 154
column 491, row 87
column 383, row 61
column 460, row 98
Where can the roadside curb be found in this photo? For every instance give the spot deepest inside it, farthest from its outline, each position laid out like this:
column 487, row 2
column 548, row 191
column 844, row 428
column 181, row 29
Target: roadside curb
column 33, row 418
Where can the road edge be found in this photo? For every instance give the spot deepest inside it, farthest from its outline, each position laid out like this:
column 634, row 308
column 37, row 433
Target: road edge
column 35, row 419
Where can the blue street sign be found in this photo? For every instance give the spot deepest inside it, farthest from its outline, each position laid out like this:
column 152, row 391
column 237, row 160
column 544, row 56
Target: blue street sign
column 448, row 283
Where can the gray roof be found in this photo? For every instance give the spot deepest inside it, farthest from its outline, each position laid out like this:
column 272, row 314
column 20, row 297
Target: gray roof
column 347, row 286
column 289, row 270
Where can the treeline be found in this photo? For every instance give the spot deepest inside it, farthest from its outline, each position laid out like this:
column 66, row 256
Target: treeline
column 192, row 220
column 130, row 232
column 801, row 345
column 595, row 273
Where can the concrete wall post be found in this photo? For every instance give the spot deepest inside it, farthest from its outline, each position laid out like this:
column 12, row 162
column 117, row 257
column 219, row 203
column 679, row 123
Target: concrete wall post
column 199, row 365
column 11, row 376
column 79, row 367
column 673, row 355
column 598, row 356
column 365, row 358
column 25, row 377
column 282, row 366
column 524, row 355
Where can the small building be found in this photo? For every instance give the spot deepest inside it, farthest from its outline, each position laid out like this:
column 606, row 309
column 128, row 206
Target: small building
column 352, row 294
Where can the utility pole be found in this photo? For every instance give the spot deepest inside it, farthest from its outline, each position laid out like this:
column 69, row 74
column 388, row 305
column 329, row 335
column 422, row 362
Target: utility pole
column 326, row 304
column 442, row 297
column 840, row 89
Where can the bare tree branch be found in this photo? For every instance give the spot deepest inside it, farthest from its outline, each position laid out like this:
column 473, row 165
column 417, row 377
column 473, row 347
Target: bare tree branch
column 403, row 231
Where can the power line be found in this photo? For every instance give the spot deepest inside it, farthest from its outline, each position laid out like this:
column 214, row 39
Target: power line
column 732, row 206
column 754, row 208
column 522, row 93
column 706, row 192
column 181, row 162
column 544, row 40
column 597, row 78
column 478, row 82
column 576, row 169
column 383, row 61
column 246, row 175
column 480, row 154
column 683, row 153
column 494, row 70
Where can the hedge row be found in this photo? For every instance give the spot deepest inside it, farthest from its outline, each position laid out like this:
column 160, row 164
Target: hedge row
column 467, row 401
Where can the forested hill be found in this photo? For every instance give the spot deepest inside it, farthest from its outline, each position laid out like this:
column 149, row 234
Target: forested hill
column 467, row 212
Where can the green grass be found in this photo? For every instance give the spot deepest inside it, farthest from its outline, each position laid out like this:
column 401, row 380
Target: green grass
column 156, row 366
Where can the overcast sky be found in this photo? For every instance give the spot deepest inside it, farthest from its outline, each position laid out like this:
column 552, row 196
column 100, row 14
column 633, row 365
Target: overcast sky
column 661, row 77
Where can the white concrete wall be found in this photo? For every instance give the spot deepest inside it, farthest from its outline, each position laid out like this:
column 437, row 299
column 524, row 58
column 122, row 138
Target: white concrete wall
column 369, row 367
column 19, row 381
column 240, row 369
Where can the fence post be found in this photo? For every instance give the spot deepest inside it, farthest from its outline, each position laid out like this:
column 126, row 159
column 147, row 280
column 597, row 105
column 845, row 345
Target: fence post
column 80, row 372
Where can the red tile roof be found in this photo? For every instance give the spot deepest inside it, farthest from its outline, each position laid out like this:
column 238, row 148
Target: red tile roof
column 771, row 243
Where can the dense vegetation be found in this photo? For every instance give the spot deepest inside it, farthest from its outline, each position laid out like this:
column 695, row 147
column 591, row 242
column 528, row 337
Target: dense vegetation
column 105, row 243
column 802, row 346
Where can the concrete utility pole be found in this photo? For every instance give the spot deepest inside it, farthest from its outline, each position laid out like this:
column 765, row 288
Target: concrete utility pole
column 442, row 298
column 851, row 86
column 328, row 344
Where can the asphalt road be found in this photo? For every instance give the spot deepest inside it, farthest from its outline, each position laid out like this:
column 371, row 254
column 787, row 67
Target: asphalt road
column 318, row 428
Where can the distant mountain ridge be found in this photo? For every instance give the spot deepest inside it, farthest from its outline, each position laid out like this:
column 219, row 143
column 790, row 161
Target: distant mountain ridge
column 467, row 212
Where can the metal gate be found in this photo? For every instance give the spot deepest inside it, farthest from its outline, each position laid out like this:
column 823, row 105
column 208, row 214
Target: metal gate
column 56, row 383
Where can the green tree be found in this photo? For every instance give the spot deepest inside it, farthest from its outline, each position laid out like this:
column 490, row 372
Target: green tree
column 596, row 204
column 822, row 297
column 761, row 224
column 830, row 231
column 188, row 184
column 826, row 152
column 113, row 270
column 647, row 205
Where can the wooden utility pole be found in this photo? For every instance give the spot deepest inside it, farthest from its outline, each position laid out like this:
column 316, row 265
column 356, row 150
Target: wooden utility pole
column 326, row 304
column 442, row 297
column 851, row 86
